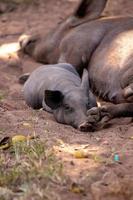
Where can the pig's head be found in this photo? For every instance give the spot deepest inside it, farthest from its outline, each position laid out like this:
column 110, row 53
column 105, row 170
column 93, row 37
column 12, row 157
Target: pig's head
column 46, row 48
column 71, row 107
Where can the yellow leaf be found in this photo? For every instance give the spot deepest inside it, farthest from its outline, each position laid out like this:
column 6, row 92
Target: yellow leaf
column 80, row 154
column 18, row 138
column 22, row 138
column 7, row 142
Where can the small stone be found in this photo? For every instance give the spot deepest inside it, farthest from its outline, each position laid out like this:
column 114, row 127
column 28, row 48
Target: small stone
column 116, row 157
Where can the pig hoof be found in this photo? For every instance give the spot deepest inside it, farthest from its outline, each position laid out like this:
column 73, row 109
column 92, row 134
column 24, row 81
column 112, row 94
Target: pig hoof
column 96, row 115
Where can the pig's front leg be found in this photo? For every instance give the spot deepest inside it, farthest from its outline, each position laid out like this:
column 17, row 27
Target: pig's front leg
column 98, row 117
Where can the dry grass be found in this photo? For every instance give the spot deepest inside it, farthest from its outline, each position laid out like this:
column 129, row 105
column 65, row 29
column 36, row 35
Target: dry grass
column 29, row 169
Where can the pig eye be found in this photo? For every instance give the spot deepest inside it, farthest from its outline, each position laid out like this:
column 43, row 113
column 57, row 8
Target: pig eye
column 88, row 105
column 67, row 107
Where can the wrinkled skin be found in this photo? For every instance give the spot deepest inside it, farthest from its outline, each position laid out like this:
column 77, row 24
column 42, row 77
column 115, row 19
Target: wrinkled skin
column 60, row 90
column 102, row 45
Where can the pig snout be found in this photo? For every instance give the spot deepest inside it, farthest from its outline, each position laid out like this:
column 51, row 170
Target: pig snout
column 85, row 126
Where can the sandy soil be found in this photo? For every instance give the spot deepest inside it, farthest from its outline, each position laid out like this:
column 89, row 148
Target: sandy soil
column 101, row 176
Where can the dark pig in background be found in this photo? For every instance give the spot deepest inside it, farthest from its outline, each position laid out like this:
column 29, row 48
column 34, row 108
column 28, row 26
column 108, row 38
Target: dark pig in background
column 103, row 45
column 72, row 41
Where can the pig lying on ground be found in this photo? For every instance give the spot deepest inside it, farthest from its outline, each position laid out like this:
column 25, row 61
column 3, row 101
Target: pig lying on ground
column 60, row 90
column 103, row 45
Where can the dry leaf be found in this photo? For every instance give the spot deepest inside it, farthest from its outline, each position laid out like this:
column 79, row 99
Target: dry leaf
column 18, row 138
column 80, row 154
column 75, row 188
column 5, row 143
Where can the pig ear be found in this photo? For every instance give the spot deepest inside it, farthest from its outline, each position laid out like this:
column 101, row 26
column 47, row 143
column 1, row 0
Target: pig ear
column 85, row 81
column 87, row 10
column 53, row 99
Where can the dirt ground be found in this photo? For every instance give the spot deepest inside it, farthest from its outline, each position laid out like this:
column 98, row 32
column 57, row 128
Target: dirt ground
column 101, row 175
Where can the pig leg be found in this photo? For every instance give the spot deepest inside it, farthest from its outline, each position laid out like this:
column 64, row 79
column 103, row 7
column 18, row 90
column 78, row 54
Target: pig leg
column 99, row 116
column 105, row 113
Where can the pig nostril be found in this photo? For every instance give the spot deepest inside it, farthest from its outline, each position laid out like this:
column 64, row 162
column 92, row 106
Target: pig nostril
column 84, row 127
